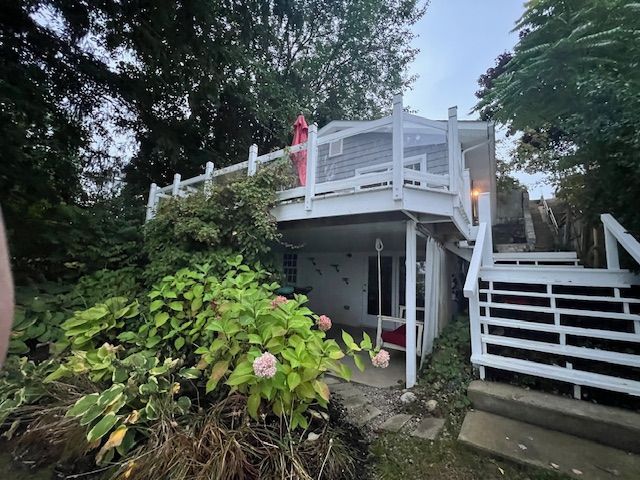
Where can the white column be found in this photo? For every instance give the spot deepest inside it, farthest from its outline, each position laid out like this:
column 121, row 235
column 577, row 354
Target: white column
column 398, row 149
column 453, row 147
column 611, row 250
column 253, row 155
column 410, row 300
column 466, row 195
column 312, row 160
column 430, row 306
column 151, row 203
column 175, row 190
column 484, row 215
column 208, row 182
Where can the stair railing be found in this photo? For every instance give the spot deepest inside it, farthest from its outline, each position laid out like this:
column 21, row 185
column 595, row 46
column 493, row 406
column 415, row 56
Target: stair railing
column 482, row 256
column 550, row 215
column 614, row 235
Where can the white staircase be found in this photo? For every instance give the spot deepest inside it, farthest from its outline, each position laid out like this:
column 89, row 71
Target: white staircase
column 543, row 314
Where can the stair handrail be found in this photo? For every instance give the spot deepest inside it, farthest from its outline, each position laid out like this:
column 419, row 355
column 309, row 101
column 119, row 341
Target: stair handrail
column 471, row 282
column 615, row 234
column 550, row 215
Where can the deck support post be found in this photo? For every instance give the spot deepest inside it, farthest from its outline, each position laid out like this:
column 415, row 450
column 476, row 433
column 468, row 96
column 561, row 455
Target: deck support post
column 430, row 300
column 175, row 189
column 410, row 290
column 151, row 203
column 453, row 144
column 466, row 195
column 312, row 160
column 484, row 215
column 397, row 148
column 252, row 165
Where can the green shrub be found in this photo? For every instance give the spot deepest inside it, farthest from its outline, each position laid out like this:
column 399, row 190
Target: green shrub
column 236, row 217
column 199, row 340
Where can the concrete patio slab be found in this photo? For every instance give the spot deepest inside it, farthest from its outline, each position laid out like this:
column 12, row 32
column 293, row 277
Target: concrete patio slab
column 392, row 376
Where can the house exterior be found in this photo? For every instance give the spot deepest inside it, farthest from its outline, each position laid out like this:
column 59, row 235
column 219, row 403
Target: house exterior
column 408, row 203
column 406, row 181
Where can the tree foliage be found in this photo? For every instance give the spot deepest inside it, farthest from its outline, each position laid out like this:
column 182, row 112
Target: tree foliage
column 571, row 89
column 166, row 86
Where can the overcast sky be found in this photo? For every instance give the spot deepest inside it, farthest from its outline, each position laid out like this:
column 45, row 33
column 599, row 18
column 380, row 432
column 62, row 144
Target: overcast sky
column 458, row 41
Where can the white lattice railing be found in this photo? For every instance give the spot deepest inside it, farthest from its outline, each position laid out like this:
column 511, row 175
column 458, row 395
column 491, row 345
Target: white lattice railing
column 562, row 322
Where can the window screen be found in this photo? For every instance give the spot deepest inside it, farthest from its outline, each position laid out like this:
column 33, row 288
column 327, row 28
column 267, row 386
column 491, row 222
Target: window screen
column 290, row 267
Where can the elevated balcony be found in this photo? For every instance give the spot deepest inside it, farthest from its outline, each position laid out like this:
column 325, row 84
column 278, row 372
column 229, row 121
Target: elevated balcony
column 399, row 163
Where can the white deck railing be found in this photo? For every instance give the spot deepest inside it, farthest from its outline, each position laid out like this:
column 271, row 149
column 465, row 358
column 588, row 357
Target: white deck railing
column 561, row 322
column 387, row 175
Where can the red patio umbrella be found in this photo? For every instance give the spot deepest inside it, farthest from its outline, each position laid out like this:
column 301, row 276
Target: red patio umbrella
column 299, row 159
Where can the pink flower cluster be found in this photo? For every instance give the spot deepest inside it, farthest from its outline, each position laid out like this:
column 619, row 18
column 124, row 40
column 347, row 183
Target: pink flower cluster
column 323, row 323
column 265, row 365
column 279, row 300
column 381, row 359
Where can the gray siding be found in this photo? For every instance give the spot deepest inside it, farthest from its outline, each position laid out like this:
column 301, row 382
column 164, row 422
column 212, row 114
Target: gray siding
column 368, row 149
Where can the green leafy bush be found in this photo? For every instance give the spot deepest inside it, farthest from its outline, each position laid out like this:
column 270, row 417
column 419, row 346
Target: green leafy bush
column 198, row 229
column 198, row 340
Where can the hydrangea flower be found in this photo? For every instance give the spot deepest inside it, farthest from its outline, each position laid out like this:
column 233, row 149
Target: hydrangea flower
column 381, row 359
column 279, row 300
column 265, row 365
column 323, row 323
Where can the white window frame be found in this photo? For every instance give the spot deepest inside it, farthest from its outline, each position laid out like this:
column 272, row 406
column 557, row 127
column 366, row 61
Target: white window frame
column 335, row 154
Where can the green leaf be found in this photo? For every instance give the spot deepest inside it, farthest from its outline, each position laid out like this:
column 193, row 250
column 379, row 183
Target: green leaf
column 179, row 343
column 349, row 342
column 358, row 361
column 58, row 373
column 322, row 389
column 255, row 339
column 161, row 318
column 82, row 405
column 196, row 304
column 345, row 372
column 293, row 380
column 184, row 404
column 190, row 373
column 101, row 428
column 253, row 403
column 108, row 397
column 155, row 305
column 366, row 343
column 217, row 372
column 177, row 306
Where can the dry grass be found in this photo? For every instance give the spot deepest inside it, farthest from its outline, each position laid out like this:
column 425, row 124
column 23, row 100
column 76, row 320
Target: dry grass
column 224, row 443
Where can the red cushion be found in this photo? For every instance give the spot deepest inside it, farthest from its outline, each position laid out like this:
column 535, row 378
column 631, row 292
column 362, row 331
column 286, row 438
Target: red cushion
column 397, row 336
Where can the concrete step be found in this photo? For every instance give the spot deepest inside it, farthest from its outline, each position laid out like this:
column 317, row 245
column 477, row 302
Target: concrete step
column 606, row 425
column 536, row 446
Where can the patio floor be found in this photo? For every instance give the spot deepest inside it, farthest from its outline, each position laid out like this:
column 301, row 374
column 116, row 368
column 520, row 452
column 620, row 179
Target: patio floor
column 392, row 376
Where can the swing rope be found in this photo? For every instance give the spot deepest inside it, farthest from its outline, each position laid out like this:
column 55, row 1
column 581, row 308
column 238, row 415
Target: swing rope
column 379, row 248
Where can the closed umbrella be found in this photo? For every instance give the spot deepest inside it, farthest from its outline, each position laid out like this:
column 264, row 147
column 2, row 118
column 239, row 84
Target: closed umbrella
column 299, row 159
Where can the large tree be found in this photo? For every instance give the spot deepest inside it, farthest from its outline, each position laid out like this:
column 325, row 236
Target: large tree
column 167, row 86
column 571, row 89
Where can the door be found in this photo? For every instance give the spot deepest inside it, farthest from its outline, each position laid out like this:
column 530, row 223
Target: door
column 371, row 288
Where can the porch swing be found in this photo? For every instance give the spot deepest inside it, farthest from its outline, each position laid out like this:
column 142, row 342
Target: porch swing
column 396, row 338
